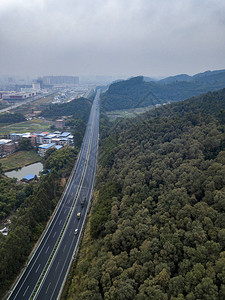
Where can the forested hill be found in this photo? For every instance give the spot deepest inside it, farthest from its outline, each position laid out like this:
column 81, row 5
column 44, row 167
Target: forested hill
column 208, row 77
column 136, row 92
column 157, row 228
column 79, row 108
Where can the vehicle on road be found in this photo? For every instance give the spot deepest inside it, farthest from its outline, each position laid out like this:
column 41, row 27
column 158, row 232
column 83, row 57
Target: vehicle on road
column 83, row 202
column 76, row 231
column 78, row 215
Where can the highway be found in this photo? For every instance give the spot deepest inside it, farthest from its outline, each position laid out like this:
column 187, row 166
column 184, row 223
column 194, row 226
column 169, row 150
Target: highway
column 48, row 267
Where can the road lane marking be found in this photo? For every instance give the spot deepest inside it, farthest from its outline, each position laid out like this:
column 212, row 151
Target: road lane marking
column 64, row 247
column 54, row 235
column 37, row 268
column 68, row 254
column 25, row 291
column 64, row 211
column 57, row 266
column 60, row 221
column 48, row 288
column 47, row 250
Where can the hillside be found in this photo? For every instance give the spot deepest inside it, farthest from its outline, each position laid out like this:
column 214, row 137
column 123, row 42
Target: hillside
column 157, row 228
column 207, row 77
column 136, row 92
column 79, row 108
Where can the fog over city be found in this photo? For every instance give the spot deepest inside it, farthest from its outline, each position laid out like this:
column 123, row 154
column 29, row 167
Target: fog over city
column 111, row 37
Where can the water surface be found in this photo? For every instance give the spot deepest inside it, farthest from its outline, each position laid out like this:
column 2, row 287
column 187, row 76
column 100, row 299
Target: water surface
column 31, row 169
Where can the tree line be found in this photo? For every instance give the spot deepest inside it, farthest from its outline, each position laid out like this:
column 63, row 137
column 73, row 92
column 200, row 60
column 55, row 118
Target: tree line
column 12, row 118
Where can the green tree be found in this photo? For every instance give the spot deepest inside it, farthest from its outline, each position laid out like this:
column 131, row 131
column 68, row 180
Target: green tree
column 25, row 144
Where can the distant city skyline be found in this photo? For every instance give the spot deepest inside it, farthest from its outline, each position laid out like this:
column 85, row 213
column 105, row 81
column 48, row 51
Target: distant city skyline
column 111, row 37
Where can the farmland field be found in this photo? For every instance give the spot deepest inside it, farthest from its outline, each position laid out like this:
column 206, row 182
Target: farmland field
column 128, row 113
column 35, row 125
column 19, row 159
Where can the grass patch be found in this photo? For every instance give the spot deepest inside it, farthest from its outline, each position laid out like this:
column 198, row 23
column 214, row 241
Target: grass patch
column 127, row 113
column 47, row 99
column 19, row 160
column 34, row 125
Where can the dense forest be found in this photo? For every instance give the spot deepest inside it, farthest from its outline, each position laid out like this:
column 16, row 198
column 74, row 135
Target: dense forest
column 139, row 92
column 29, row 207
column 157, row 226
column 12, row 118
column 78, row 108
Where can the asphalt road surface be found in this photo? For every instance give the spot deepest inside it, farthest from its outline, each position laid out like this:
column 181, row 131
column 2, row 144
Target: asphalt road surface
column 47, row 269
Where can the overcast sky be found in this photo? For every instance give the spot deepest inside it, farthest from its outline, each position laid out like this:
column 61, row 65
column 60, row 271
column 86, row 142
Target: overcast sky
column 111, row 37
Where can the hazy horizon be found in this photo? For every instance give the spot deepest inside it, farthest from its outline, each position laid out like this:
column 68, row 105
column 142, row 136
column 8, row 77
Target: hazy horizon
column 111, row 37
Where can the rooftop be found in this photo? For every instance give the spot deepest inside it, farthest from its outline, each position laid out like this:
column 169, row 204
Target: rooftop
column 46, row 146
column 58, row 147
column 5, row 141
column 29, row 177
column 20, row 134
column 64, row 134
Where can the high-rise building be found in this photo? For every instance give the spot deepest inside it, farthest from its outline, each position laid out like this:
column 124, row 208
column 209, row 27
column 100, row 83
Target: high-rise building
column 36, row 85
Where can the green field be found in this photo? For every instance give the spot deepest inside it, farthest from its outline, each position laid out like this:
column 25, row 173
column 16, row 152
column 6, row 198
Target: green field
column 19, row 160
column 34, row 125
column 47, row 99
column 127, row 113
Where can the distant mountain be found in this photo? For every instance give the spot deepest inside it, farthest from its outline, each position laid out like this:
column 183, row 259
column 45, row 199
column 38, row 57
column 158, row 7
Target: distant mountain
column 181, row 77
column 137, row 92
column 205, row 76
column 131, row 93
column 147, row 79
column 209, row 73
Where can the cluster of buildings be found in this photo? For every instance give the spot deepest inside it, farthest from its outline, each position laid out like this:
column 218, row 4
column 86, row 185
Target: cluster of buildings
column 42, row 141
column 23, row 92
column 22, row 95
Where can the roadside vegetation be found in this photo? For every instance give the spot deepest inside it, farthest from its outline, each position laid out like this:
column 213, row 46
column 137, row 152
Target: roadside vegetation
column 157, row 226
column 78, row 108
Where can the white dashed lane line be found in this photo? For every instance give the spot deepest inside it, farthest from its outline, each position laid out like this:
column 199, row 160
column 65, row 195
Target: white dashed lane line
column 25, row 291
column 37, row 268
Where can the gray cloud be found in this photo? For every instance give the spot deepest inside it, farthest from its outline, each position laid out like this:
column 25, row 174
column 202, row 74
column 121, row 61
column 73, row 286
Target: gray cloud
column 127, row 37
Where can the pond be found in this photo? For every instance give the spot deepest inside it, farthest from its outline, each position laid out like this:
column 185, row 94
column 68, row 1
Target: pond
column 31, row 169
